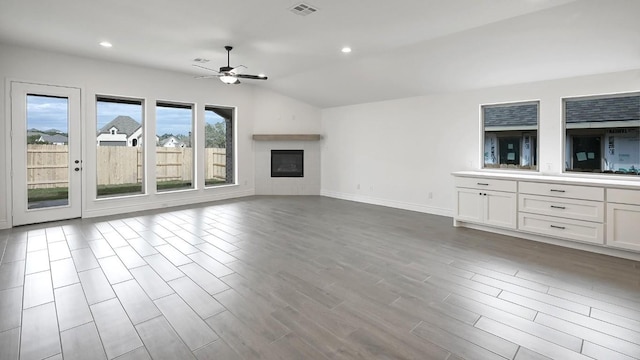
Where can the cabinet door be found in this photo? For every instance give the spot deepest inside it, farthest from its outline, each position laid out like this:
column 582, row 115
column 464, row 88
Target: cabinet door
column 623, row 226
column 500, row 209
column 469, row 205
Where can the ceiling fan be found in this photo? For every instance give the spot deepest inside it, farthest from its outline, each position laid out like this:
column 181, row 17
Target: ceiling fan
column 228, row 74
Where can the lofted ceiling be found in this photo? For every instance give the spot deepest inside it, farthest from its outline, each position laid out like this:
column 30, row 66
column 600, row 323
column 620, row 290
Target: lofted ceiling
column 401, row 48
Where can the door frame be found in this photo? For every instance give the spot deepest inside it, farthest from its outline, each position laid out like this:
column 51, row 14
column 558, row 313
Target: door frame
column 20, row 215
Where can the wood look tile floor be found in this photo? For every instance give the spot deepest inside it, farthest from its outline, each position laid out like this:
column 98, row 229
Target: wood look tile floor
column 306, row 278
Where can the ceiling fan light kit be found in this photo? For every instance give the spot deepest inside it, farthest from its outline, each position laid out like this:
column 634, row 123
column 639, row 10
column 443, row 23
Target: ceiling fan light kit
column 230, row 75
column 227, row 79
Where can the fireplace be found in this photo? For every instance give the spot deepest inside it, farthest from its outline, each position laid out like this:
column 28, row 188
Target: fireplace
column 287, row 163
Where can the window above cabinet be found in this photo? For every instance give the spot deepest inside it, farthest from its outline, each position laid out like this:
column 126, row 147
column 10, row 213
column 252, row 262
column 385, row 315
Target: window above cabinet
column 510, row 135
column 602, row 134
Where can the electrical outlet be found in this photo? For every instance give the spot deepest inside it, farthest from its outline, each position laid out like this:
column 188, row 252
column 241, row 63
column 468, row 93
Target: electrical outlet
column 430, row 195
column 358, row 187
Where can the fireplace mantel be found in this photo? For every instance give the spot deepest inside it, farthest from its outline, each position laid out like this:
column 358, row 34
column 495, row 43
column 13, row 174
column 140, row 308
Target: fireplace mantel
column 286, row 137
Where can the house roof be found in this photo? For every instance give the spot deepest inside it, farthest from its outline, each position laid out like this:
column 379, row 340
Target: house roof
column 169, row 139
column 510, row 115
column 57, row 138
column 124, row 124
column 626, row 108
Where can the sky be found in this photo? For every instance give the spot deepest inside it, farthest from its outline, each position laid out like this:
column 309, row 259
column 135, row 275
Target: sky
column 45, row 113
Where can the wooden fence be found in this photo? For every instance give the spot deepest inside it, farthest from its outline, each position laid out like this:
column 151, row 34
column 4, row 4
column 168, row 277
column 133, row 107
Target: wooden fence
column 47, row 165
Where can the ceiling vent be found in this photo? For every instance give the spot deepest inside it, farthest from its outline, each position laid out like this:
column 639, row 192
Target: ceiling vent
column 303, row 9
column 201, row 60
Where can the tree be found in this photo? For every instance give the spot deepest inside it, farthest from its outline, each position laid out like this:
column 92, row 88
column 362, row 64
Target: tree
column 33, row 139
column 216, row 135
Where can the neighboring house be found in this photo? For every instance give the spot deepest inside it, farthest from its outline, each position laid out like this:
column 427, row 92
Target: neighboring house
column 171, row 141
column 510, row 136
column 602, row 134
column 56, row 139
column 121, row 131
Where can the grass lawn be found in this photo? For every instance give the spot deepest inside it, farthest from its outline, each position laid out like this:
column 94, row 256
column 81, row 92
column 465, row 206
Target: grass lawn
column 35, row 195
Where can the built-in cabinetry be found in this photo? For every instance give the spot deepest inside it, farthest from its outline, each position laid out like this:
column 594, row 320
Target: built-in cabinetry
column 623, row 218
column 565, row 211
column 486, row 201
column 539, row 207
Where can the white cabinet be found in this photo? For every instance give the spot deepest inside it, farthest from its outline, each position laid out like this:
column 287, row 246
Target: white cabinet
column 623, row 218
column 569, row 229
column 601, row 215
column 476, row 204
column 569, row 212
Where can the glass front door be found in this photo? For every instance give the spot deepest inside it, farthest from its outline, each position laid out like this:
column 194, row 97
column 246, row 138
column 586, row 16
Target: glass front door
column 46, row 160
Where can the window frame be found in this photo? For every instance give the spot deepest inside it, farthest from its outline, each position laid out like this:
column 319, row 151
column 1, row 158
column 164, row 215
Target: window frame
column 193, row 142
column 131, row 100
column 233, row 157
column 535, row 145
column 599, row 131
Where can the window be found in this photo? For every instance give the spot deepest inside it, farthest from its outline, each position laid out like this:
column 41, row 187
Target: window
column 602, row 134
column 119, row 159
column 510, row 135
column 218, row 157
column 174, row 151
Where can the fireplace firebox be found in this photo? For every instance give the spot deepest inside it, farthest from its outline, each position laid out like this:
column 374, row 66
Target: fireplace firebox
column 287, row 163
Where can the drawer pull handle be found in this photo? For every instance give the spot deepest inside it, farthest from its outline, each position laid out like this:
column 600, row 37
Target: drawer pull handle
column 556, row 190
column 483, row 184
column 558, row 227
column 558, row 207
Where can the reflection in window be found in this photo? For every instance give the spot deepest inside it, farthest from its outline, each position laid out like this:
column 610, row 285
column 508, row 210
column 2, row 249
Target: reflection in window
column 174, row 151
column 119, row 156
column 602, row 134
column 218, row 157
column 511, row 135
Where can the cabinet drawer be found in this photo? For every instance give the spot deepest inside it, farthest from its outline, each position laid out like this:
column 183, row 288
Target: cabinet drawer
column 623, row 196
column 566, row 208
column 563, row 191
column 486, row 184
column 562, row 228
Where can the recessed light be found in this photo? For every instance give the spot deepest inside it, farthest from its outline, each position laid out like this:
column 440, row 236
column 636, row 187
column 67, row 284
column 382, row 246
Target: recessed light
column 346, row 49
column 106, row 44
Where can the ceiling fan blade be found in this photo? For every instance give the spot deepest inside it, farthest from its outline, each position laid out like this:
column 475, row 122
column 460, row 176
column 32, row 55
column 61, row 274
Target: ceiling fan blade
column 252, row 77
column 237, row 70
column 206, row 68
column 207, row 76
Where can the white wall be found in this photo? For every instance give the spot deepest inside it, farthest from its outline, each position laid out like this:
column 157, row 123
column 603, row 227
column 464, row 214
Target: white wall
column 257, row 109
column 277, row 114
column 396, row 153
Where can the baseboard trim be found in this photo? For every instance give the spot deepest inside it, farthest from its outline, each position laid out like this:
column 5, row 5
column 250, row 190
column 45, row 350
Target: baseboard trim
column 388, row 203
column 4, row 224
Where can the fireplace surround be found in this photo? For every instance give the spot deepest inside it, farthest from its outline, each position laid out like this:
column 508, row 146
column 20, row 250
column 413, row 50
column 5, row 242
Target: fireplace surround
column 307, row 184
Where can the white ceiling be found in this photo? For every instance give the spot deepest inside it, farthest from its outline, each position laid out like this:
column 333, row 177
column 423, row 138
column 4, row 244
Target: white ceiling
column 401, row 48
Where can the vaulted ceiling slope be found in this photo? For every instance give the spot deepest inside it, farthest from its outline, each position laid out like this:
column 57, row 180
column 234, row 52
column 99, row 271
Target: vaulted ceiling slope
column 401, row 48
